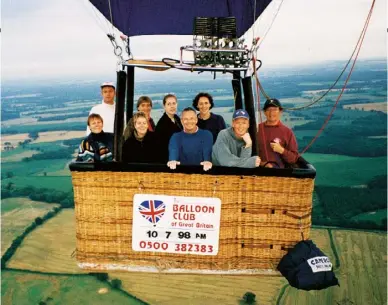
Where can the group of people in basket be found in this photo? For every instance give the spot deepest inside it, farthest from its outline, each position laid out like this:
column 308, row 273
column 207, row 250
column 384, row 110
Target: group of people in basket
column 191, row 139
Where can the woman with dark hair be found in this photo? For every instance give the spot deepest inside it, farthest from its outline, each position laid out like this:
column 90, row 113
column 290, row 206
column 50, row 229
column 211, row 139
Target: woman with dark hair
column 98, row 145
column 168, row 124
column 203, row 102
column 141, row 146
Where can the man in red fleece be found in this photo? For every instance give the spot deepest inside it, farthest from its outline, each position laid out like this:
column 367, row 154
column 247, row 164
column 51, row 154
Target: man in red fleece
column 277, row 143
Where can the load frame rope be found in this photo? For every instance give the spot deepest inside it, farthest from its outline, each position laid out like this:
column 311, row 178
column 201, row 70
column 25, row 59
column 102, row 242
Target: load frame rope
column 359, row 45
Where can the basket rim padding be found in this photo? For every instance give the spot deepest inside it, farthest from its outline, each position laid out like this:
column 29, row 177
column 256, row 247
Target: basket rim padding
column 305, row 171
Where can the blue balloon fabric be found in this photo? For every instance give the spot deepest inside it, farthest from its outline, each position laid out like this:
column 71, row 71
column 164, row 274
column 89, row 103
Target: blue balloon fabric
column 176, row 17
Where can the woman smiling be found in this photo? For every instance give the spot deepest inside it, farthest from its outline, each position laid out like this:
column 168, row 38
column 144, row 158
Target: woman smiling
column 141, row 146
column 98, row 145
column 168, row 124
column 203, row 102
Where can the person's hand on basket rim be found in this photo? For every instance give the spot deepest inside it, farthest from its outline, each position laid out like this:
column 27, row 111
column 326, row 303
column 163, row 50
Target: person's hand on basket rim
column 172, row 164
column 206, row 165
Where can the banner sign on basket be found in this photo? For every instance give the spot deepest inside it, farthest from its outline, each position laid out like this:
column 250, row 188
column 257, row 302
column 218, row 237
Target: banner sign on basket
column 176, row 224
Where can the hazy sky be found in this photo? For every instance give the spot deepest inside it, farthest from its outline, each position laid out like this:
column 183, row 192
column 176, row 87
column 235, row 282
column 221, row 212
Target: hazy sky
column 43, row 39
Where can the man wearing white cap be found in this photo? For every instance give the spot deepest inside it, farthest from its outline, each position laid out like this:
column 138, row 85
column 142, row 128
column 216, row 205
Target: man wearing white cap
column 107, row 108
column 233, row 146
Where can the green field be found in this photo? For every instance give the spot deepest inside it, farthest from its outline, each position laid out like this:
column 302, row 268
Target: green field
column 23, row 169
column 60, row 183
column 17, row 157
column 49, row 248
column 44, row 127
column 338, row 170
column 362, row 273
column 16, row 215
column 376, row 216
column 24, row 288
column 13, row 152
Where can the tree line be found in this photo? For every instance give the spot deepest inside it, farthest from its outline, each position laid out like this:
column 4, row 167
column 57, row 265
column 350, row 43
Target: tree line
column 338, row 205
column 19, row 239
column 65, row 199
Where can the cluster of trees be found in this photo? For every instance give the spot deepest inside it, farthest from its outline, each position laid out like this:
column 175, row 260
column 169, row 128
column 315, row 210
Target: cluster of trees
column 9, row 114
column 65, row 199
column 33, row 135
column 340, row 138
column 338, row 205
column 64, row 153
column 18, row 240
column 104, row 277
column 348, row 146
column 249, row 298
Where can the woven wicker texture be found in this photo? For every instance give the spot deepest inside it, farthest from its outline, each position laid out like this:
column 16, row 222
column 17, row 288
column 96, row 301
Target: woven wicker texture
column 260, row 218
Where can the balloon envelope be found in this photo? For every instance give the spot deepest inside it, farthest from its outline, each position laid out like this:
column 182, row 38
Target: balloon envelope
column 176, row 17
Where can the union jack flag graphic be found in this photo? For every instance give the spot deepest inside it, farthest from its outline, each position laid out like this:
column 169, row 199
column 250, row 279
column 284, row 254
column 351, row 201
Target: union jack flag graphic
column 152, row 210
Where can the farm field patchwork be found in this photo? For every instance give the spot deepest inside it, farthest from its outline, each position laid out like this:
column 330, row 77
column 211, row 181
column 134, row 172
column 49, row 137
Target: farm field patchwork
column 14, row 139
column 335, row 170
column 368, row 107
column 48, row 249
column 362, row 273
column 34, row 167
column 16, row 157
column 59, row 183
column 52, row 136
column 45, row 126
column 376, row 216
column 23, row 288
column 177, row 289
column 16, row 215
column 210, row 289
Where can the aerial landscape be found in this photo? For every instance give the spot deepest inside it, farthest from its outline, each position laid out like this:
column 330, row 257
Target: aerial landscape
column 45, row 103
column 43, row 126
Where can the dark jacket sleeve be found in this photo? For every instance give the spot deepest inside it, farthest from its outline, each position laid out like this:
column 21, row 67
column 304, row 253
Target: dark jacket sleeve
column 126, row 155
column 221, row 123
column 86, row 152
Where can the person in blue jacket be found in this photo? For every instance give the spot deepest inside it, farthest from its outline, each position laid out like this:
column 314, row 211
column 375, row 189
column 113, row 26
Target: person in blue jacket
column 192, row 146
column 203, row 102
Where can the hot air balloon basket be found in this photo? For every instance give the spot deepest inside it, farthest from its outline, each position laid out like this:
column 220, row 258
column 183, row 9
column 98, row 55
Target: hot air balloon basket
column 260, row 217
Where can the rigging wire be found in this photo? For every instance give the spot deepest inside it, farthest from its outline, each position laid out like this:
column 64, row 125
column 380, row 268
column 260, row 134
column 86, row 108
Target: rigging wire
column 338, row 78
column 111, row 16
column 259, row 108
column 101, row 21
column 256, row 45
column 361, row 40
column 272, row 22
column 254, row 20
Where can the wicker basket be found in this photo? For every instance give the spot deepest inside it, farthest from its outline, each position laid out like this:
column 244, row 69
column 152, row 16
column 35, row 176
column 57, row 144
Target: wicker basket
column 261, row 217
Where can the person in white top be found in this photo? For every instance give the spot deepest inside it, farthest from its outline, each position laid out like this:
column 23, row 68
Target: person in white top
column 107, row 108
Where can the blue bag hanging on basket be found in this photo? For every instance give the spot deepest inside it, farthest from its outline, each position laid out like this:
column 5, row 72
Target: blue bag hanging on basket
column 307, row 267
